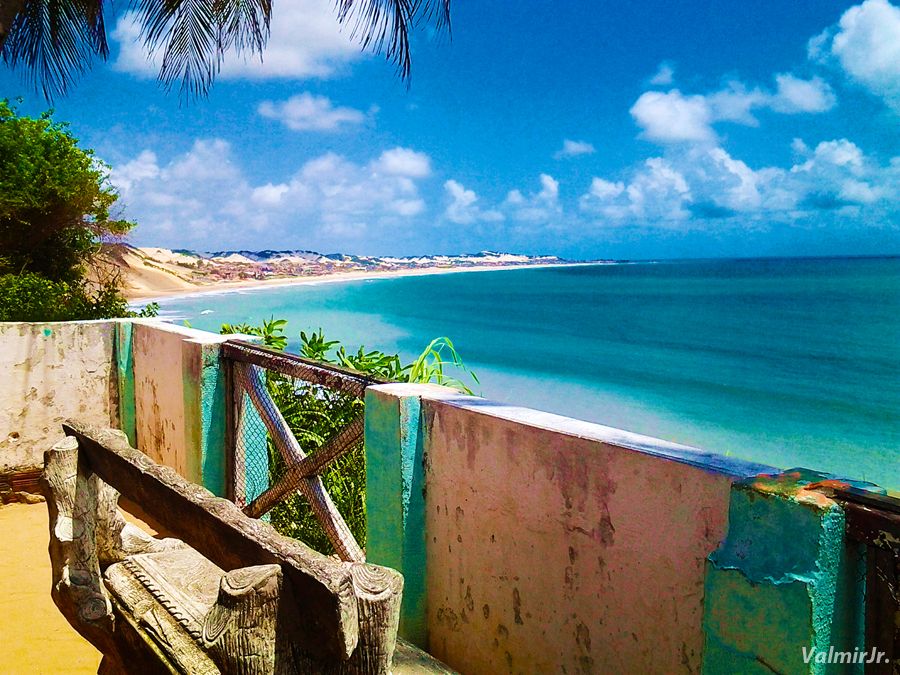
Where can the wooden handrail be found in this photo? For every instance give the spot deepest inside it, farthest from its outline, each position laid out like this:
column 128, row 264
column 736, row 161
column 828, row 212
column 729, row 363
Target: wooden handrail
column 323, row 586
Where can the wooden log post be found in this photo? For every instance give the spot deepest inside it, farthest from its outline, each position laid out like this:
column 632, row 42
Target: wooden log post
column 325, row 615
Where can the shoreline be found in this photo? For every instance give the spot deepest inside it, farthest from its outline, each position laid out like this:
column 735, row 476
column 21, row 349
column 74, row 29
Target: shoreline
column 142, row 296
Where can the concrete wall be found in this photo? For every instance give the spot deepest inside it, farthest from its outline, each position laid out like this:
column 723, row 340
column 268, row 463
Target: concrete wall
column 533, row 543
column 179, row 400
column 50, row 372
column 160, row 383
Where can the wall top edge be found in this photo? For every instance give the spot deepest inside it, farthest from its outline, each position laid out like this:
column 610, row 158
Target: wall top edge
column 87, row 322
column 710, row 461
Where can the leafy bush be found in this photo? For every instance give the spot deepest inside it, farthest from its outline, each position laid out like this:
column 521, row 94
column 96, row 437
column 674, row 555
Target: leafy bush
column 32, row 297
column 55, row 215
column 315, row 415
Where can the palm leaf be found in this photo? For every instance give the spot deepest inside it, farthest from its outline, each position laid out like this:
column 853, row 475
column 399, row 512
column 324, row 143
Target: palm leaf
column 385, row 25
column 56, row 40
column 193, row 36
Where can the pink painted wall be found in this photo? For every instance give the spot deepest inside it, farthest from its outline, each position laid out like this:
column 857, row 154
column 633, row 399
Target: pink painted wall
column 159, row 395
column 551, row 547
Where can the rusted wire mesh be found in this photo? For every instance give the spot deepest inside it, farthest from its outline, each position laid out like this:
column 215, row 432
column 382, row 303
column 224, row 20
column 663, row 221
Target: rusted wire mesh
column 298, row 449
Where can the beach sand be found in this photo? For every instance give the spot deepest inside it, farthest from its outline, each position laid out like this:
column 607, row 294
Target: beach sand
column 149, row 288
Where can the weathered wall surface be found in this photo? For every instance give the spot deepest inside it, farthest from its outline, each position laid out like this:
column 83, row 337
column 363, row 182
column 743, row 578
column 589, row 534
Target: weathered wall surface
column 550, row 552
column 159, row 394
column 785, row 583
column 542, row 544
column 179, row 400
column 534, row 543
column 50, row 372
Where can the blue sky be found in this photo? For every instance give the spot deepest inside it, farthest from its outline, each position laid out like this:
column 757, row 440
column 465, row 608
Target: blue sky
column 635, row 130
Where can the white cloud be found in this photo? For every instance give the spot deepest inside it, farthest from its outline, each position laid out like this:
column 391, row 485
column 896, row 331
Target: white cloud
column 695, row 186
column 306, row 41
column 573, row 149
column 794, row 95
column 735, row 103
column 142, row 167
column 657, row 193
column 463, row 208
column 538, row 207
column 673, row 117
column 604, row 189
column 306, row 112
column 268, row 194
column 665, row 75
column 866, row 44
column 204, row 195
column 403, row 162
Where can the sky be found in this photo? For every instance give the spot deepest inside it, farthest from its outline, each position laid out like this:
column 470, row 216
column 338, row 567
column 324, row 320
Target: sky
column 702, row 128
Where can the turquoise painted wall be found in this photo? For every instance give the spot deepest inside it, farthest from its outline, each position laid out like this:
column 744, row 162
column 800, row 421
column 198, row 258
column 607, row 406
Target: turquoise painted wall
column 395, row 501
column 784, row 585
column 125, row 380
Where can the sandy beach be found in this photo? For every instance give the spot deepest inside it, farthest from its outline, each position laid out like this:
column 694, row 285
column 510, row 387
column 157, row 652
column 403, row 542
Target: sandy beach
column 144, row 290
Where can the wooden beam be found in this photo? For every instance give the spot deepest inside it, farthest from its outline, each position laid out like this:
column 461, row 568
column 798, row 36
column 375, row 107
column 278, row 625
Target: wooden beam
column 323, row 374
column 329, row 623
column 311, row 487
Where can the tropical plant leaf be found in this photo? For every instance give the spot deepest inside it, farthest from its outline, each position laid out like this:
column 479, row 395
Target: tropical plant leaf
column 56, row 40
column 385, row 25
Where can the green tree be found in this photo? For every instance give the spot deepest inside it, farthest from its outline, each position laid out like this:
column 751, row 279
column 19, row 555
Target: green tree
column 56, row 40
column 55, row 199
column 55, row 203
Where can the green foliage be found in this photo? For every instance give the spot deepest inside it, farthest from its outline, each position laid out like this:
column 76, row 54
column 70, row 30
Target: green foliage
column 55, row 205
column 315, row 415
column 31, row 297
column 55, row 198
column 271, row 331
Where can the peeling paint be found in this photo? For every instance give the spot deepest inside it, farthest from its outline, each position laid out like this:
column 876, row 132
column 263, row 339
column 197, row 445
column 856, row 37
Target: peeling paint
column 782, row 580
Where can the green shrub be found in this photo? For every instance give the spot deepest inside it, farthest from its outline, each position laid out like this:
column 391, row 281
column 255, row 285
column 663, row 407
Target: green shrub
column 31, row 297
column 315, row 415
column 55, row 215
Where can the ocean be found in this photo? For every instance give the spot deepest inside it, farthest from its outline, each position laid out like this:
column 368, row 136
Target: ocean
column 787, row 362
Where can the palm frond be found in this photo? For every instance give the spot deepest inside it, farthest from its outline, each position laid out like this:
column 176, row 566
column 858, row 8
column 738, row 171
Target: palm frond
column 385, row 25
column 193, row 36
column 55, row 41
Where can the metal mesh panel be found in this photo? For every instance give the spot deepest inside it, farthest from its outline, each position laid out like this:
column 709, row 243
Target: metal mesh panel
column 298, row 448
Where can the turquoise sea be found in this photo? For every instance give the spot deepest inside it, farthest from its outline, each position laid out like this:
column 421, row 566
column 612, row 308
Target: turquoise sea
column 788, row 362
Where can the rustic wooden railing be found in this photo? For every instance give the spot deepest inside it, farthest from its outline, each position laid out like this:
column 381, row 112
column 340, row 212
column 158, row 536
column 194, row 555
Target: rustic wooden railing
column 247, row 365
column 874, row 521
column 324, row 615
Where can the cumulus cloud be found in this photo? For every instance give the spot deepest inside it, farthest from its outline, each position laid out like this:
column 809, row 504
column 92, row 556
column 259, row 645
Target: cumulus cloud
column 657, row 192
column 306, row 41
column 307, row 112
column 539, row 207
column 673, row 117
column 866, row 45
column 574, row 149
column 693, row 186
column 795, row 95
column 463, row 208
column 204, row 194
column 403, row 162
column 665, row 75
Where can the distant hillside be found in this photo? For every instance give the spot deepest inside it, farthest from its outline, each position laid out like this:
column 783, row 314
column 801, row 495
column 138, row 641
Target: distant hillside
column 149, row 271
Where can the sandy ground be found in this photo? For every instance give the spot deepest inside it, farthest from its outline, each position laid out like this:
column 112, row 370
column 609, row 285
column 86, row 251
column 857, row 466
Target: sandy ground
column 35, row 636
column 143, row 289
